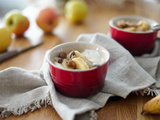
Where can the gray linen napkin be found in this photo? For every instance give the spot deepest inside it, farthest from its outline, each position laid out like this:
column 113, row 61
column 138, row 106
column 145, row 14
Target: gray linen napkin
column 23, row 90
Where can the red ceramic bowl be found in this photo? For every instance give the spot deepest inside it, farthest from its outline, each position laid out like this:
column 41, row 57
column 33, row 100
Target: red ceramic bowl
column 78, row 83
column 137, row 43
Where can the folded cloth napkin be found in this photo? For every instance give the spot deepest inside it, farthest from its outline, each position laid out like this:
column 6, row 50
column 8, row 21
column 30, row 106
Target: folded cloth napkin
column 23, row 90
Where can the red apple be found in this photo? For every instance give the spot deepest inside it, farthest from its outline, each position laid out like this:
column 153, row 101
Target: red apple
column 16, row 22
column 47, row 19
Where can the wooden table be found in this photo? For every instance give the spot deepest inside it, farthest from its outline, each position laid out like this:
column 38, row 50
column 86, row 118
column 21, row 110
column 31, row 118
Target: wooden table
column 96, row 21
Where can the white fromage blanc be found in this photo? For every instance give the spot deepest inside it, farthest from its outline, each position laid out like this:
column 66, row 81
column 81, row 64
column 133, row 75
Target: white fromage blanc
column 93, row 56
column 81, row 61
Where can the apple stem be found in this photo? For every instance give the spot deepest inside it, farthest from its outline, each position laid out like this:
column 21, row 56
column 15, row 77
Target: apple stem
column 11, row 22
column 50, row 22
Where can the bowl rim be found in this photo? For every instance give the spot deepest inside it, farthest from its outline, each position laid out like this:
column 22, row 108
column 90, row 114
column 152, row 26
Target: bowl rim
column 131, row 17
column 76, row 70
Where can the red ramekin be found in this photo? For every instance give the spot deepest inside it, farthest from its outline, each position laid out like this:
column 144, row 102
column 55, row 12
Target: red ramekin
column 137, row 43
column 78, row 83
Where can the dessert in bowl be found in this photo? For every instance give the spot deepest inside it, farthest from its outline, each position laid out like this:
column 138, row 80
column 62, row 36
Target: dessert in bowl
column 134, row 33
column 78, row 69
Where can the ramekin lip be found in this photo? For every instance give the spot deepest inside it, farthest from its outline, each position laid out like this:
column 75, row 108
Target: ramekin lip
column 51, row 63
column 130, row 16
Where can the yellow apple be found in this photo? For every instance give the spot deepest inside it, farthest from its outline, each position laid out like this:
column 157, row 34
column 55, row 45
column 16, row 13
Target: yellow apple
column 47, row 19
column 5, row 38
column 76, row 10
column 17, row 22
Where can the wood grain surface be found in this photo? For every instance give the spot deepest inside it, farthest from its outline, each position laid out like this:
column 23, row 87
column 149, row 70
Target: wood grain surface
column 96, row 21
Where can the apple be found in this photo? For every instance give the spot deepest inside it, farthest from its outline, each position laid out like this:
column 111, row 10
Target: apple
column 47, row 19
column 5, row 38
column 76, row 11
column 17, row 22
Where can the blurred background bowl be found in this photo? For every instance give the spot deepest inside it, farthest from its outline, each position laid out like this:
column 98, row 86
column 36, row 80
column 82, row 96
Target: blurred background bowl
column 137, row 43
column 78, row 83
